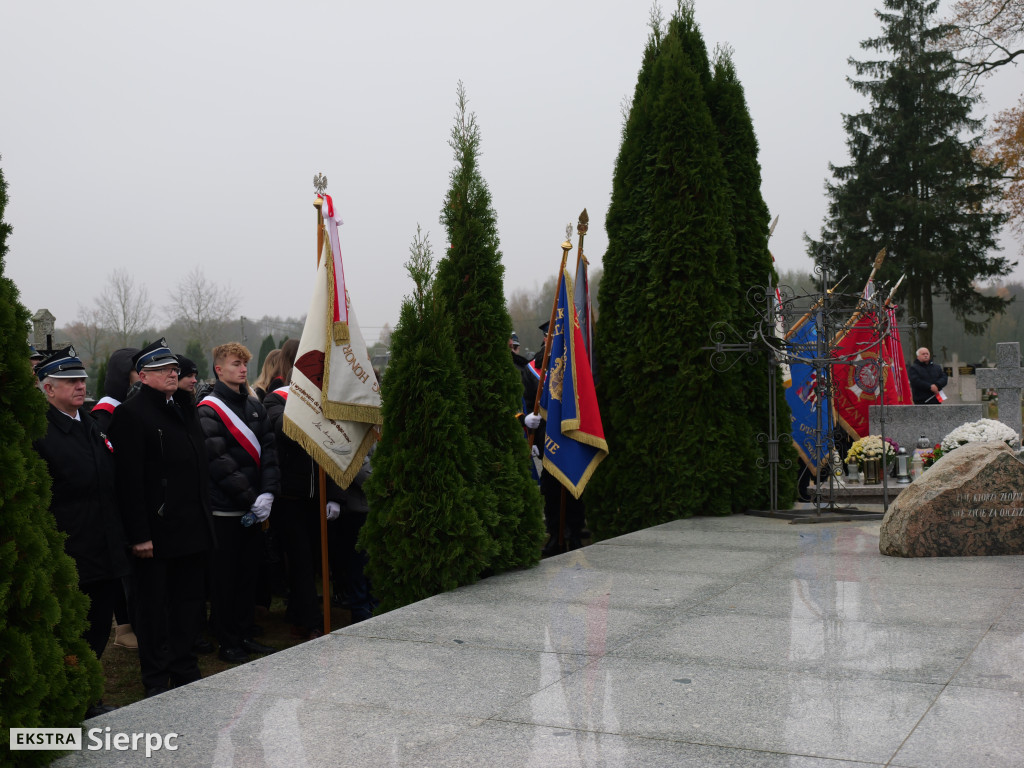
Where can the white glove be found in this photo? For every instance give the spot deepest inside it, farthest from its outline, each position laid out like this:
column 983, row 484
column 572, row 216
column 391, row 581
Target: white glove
column 261, row 507
column 536, row 452
column 333, row 510
column 532, row 420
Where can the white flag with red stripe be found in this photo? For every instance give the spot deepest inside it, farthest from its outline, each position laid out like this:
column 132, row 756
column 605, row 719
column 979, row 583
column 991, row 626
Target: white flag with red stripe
column 333, row 404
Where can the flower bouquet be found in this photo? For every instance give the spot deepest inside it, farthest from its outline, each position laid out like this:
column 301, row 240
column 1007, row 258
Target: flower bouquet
column 983, row 430
column 932, row 455
column 871, row 447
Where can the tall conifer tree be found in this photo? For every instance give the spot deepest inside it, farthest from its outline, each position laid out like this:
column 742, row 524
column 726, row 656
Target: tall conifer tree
column 914, row 184
column 469, row 284
column 48, row 673
column 671, row 421
column 737, row 143
column 424, row 534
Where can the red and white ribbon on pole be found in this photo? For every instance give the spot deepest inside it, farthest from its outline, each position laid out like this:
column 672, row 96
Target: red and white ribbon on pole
column 331, row 222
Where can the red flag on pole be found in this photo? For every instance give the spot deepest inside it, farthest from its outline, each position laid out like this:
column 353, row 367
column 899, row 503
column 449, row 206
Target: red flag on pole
column 858, row 384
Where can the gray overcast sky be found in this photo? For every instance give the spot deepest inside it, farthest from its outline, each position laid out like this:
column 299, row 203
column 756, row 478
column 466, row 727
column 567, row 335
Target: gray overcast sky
column 158, row 137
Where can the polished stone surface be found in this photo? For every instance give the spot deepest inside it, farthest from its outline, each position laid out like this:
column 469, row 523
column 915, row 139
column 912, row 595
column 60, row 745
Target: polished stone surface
column 740, row 641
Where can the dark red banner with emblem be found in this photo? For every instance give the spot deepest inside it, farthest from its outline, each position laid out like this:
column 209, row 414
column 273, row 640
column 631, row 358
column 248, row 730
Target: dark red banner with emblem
column 857, row 383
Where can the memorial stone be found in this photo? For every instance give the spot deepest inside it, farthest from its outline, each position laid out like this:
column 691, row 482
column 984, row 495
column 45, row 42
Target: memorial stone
column 43, row 323
column 971, row 502
column 1007, row 379
column 906, row 423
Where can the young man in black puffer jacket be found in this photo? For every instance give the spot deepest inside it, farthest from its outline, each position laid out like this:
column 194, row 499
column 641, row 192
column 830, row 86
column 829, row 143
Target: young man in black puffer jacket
column 244, row 477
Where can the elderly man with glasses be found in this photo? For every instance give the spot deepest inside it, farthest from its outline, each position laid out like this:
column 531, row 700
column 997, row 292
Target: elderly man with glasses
column 160, row 460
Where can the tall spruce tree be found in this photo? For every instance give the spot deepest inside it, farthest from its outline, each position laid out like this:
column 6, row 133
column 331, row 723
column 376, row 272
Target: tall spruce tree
column 672, row 423
column 469, row 284
column 424, row 533
column 737, row 143
column 914, row 183
column 48, row 673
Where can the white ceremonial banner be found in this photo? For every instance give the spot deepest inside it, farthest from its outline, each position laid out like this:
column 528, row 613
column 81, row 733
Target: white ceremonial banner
column 333, row 407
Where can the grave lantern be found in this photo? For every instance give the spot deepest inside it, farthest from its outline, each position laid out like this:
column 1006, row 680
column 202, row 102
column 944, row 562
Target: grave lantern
column 902, row 468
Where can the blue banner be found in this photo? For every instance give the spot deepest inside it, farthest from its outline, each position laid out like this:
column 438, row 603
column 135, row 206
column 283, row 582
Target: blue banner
column 806, row 399
column 574, row 443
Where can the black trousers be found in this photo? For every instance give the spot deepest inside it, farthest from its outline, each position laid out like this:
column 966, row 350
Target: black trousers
column 234, row 568
column 297, row 521
column 551, row 490
column 348, row 562
column 169, row 598
column 102, row 598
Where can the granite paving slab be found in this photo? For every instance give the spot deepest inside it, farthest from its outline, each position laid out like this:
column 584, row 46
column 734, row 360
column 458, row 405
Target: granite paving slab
column 783, row 712
column 968, row 727
column 874, row 601
column 826, row 646
column 530, row 746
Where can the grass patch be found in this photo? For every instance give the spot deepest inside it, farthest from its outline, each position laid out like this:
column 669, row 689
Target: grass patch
column 122, row 678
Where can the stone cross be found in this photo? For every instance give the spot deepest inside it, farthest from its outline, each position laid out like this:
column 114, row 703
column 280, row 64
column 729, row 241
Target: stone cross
column 1007, row 378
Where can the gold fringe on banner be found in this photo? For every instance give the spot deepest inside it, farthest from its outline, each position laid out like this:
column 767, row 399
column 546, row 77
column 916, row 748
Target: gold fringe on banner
column 325, row 460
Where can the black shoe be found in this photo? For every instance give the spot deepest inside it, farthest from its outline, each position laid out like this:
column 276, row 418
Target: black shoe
column 202, row 645
column 97, row 709
column 255, row 646
column 156, row 690
column 233, row 655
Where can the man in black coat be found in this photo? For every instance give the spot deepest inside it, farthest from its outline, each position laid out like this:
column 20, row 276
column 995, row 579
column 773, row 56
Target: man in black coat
column 162, row 482
column 83, row 501
column 926, row 379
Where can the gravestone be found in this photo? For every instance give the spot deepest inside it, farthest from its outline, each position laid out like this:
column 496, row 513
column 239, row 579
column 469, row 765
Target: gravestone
column 1007, row 379
column 43, row 323
column 971, row 502
column 906, row 423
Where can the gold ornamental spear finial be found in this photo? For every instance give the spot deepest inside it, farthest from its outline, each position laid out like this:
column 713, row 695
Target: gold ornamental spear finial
column 581, row 228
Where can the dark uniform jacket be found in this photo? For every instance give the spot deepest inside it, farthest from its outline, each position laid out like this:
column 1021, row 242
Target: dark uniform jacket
column 84, row 499
column 162, row 476
column 235, row 478
column 922, row 376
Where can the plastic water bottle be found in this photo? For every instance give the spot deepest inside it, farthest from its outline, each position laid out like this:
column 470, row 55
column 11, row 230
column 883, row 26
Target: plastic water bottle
column 248, row 519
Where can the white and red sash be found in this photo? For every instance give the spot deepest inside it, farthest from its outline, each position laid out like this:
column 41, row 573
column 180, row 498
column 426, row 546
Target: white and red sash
column 107, row 404
column 281, row 392
column 238, row 428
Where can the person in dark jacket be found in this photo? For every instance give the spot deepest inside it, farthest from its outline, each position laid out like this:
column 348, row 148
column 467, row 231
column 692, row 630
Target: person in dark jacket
column 348, row 562
column 84, row 500
column 296, row 516
column 163, row 489
column 570, row 537
column 120, row 376
column 926, row 379
column 244, row 478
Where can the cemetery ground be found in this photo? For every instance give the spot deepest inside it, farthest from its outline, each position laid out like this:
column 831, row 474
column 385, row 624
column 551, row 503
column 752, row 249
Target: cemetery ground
column 122, row 684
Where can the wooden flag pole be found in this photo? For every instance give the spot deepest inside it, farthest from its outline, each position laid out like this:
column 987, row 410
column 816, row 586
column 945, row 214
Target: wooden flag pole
column 321, row 475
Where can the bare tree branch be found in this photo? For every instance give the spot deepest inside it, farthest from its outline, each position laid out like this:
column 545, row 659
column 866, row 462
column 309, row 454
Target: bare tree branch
column 986, row 35
column 123, row 308
column 201, row 305
column 91, row 339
